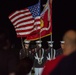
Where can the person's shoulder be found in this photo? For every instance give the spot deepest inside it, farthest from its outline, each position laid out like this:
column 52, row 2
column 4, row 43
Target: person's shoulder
column 59, row 57
column 54, row 62
column 51, row 64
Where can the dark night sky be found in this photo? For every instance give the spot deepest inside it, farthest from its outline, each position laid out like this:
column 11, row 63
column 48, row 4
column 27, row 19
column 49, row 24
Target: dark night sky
column 63, row 17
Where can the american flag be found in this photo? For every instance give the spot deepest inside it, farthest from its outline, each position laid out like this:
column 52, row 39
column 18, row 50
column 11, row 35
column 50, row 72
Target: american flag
column 46, row 23
column 26, row 21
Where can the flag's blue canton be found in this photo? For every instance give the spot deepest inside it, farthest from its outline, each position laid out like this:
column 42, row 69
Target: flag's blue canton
column 35, row 10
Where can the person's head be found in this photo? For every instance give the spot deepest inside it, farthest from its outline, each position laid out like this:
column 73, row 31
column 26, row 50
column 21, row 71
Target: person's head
column 69, row 42
column 50, row 43
column 38, row 43
column 4, row 41
column 26, row 44
column 24, row 66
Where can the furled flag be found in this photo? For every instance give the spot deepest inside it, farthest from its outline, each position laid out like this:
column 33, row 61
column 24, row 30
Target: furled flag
column 27, row 20
column 46, row 23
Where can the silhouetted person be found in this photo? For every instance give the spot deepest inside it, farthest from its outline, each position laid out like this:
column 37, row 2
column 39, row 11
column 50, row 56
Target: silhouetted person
column 67, row 66
column 40, row 58
column 24, row 66
column 26, row 52
column 8, row 59
column 68, row 46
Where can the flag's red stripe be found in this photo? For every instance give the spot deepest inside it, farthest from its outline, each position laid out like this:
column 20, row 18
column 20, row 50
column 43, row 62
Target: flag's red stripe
column 32, row 24
column 18, row 13
column 28, row 34
column 21, row 17
column 25, row 30
column 23, row 21
column 25, row 25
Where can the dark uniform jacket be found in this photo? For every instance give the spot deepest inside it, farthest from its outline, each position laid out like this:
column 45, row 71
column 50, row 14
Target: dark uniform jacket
column 59, row 52
column 50, row 53
column 36, row 63
column 26, row 53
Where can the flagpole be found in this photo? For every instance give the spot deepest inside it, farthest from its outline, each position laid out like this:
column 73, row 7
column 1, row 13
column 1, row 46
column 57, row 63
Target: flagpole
column 51, row 37
column 40, row 21
column 50, row 1
column 49, row 18
column 22, row 42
